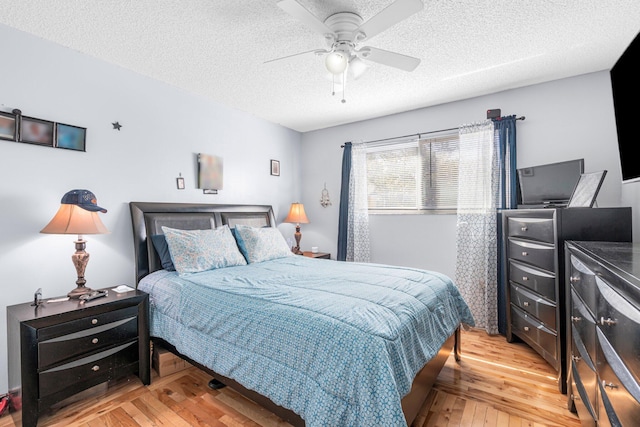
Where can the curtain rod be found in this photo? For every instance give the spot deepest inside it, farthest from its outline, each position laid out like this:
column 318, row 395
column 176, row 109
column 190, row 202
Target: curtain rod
column 423, row 133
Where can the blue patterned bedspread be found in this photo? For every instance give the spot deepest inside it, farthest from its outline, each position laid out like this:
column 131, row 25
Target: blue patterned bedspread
column 338, row 343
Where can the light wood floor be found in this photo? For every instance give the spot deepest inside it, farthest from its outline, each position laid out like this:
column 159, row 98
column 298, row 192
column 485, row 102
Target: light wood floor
column 495, row 384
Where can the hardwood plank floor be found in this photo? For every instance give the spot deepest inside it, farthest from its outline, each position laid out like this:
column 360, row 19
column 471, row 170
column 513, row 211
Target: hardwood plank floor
column 495, row 384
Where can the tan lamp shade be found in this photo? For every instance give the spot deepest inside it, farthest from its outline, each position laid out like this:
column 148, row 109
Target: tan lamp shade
column 72, row 219
column 297, row 216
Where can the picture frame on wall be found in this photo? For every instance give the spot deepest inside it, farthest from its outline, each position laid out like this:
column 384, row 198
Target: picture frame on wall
column 37, row 131
column 8, row 126
column 71, row 137
column 275, row 167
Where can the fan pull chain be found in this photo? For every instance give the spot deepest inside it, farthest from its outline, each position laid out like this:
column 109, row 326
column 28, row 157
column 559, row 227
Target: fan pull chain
column 344, row 85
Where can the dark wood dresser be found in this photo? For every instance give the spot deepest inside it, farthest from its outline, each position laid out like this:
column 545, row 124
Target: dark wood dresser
column 533, row 263
column 58, row 349
column 604, row 332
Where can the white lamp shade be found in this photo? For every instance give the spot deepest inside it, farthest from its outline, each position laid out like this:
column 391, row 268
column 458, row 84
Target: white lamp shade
column 336, row 62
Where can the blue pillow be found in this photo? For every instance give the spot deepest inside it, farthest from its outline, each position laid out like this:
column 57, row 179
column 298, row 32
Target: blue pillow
column 162, row 248
column 262, row 244
column 193, row 251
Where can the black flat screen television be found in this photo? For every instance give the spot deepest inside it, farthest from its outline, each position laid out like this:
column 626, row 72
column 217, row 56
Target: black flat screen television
column 550, row 184
column 625, row 87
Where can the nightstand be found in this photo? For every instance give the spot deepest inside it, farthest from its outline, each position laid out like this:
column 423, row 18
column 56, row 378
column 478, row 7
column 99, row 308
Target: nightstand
column 316, row 255
column 58, row 349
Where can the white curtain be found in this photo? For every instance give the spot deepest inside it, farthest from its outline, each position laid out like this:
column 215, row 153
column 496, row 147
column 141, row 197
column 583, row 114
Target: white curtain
column 476, row 232
column 358, row 248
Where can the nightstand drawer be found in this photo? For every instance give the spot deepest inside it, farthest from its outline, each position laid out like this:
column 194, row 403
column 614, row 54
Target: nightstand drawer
column 536, row 334
column 89, row 370
column 85, row 323
column 86, row 341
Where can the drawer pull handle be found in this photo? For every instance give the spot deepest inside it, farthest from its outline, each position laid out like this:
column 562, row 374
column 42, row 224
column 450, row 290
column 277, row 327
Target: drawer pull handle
column 608, row 321
column 574, row 279
column 525, row 278
column 576, row 358
column 526, row 329
column 524, row 228
column 95, row 368
column 610, row 385
column 576, row 318
column 94, row 321
column 94, row 341
column 526, row 303
column 575, row 397
column 525, row 253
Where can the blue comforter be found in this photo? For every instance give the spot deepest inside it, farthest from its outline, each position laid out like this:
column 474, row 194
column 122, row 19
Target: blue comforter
column 338, row 343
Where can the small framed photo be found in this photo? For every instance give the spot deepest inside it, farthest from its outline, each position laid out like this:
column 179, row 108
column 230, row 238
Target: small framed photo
column 8, row 126
column 275, row 167
column 587, row 189
column 180, row 183
column 36, row 131
column 71, row 137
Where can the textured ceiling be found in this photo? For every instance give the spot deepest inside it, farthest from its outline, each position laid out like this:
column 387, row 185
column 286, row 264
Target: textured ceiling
column 218, row 49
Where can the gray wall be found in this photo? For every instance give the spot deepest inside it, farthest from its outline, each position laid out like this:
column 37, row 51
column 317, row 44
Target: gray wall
column 565, row 119
column 163, row 129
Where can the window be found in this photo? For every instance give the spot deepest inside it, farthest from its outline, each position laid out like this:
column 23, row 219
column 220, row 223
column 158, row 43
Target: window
column 419, row 175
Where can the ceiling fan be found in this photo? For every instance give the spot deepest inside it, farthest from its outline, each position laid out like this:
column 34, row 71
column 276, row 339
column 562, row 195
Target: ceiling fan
column 345, row 31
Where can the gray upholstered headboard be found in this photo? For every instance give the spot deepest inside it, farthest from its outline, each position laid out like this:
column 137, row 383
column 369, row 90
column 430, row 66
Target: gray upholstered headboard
column 148, row 219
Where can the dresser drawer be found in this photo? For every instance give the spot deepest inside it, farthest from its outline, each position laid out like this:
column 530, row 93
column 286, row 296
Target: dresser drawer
column 585, row 407
column 617, row 319
column 92, row 369
column 583, row 282
column 534, row 304
column 620, row 391
column 85, row 323
column 84, row 341
column 540, row 281
column 541, row 338
column 540, row 229
column 542, row 255
column 583, row 329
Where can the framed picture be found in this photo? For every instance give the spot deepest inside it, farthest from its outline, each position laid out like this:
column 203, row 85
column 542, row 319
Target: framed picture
column 8, row 126
column 275, row 167
column 586, row 191
column 36, row 131
column 180, row 183
column 71, row 137
column 210, row 172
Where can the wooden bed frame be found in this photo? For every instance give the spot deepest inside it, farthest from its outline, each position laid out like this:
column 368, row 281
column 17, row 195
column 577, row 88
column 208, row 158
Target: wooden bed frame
column 147, row 220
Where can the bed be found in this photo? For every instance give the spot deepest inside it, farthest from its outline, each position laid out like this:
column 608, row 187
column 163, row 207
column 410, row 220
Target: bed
column 317, row 342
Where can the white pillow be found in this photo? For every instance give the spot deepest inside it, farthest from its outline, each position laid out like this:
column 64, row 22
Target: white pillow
column 262, row 244
column 193, row 251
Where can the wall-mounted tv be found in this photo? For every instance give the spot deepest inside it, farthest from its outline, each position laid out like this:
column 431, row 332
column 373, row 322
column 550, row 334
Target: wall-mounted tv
column 549, row 184
column 625, row 85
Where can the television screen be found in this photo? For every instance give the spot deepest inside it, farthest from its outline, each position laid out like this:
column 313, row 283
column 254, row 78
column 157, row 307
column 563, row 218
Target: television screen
column 625, row 86
column 550, row 184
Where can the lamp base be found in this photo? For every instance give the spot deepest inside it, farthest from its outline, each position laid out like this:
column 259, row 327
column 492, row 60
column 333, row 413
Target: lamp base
column 77, row 292
column 296, row 250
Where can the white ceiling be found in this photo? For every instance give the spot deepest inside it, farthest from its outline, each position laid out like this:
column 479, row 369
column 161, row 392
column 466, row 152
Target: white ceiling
column 218, row 49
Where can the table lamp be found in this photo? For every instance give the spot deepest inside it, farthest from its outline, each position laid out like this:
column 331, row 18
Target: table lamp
column 78, row 214
column 297, row 216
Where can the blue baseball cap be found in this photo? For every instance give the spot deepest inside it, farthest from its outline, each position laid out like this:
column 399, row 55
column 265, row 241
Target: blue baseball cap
column 83, row 198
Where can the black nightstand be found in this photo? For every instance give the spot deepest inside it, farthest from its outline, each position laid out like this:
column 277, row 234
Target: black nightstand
column 316, row 254
column 58, row 349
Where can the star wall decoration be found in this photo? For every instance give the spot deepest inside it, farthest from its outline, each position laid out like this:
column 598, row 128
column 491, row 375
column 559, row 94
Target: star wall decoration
column 116, row 125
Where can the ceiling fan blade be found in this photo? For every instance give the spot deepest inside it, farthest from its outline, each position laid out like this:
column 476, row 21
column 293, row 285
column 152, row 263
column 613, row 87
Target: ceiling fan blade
column 388, row 17
column 392, row 59
column 316, row 51
column 295, row 9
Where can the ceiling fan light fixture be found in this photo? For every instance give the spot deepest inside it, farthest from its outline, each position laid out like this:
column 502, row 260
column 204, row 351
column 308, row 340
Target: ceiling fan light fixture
column 357, row 67
column 336, row 62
